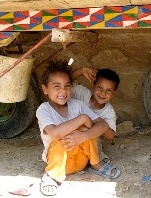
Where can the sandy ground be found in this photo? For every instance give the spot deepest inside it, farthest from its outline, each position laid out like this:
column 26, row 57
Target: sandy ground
column 20, row 167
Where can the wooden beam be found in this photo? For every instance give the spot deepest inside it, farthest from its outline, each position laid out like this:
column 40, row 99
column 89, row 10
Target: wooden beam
column 26, row 5
column 67, row 36
column 140, row 2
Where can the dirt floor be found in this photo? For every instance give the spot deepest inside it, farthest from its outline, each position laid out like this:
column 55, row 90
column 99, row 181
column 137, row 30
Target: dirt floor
column 20, row 168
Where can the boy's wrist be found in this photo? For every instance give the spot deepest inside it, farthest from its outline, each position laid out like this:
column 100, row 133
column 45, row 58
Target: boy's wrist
column 87, row 121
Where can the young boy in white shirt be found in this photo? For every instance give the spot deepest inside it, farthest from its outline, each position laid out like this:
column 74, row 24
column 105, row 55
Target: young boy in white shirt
column 60, row 117
column 105, row 84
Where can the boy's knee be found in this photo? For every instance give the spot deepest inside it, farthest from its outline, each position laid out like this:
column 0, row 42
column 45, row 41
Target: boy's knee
column 109, row 135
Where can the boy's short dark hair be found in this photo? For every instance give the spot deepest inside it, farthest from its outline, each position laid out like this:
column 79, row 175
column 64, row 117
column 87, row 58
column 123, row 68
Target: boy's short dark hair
column 54, row 67
column 109, row 75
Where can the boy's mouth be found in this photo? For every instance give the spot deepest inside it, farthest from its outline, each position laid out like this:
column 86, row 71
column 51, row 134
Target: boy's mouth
column 101, row 98
column 62, row 97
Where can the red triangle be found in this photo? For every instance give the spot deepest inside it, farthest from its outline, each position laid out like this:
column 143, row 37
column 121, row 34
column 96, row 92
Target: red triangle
column 24, row 13
column 94, row 19
column 146, row 21
column 63, row 19
column 147, row 7
column 101, row 11
column 118, row 23
column 3, row 35
column 33, row 20
column 69, row 26
column 126, row 17
column 52, row 24
column 18, row 19
column 3, row 21
column 25, row 26
column 38, row 15
column 142, row 15
column 83, row 10
column 116, row 8
column 52, row 11
column 77, row 17
column 9, row 28
column 134, row 25
column 86, row 24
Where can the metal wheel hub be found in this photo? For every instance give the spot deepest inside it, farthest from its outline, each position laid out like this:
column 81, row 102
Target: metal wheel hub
column 6, row 111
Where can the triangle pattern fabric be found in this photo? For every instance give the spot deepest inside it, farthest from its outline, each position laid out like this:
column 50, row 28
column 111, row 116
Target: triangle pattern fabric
column 97, row 11
column 66, row 25
column 6, row 15
column 52, row 12
column 22, row 14
column 21, row 21
column 110, row 10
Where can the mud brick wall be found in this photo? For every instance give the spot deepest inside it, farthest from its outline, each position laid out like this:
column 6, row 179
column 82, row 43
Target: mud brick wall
column 127, row 51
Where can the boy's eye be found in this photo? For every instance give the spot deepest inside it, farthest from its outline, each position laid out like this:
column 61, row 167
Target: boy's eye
column 68, row 86
column 100, row 88
column 56, row 86
column 109, row 90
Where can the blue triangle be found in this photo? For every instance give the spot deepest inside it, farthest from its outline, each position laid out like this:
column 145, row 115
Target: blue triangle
column 100, row 17
column 19, row 15
column 144, row 10
column 7, row 33
column 117, row 19
column 32, row 25
column 3, row 13
column 108, row 24
column 126, row 8
column 93, row 23
column 77, row 13
column 38, row 19
column 54, row 20
column 60, row 11
column 47, row 27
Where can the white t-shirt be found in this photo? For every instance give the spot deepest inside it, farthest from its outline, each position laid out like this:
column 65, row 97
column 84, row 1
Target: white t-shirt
column 107, row 113
column 47, row 115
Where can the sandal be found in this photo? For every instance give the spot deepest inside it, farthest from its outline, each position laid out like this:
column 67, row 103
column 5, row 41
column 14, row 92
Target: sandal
column 106, row 171
column 48, row 183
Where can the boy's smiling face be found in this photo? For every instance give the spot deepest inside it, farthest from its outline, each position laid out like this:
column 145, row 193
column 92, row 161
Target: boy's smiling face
column 58, row 88
column 102, row 91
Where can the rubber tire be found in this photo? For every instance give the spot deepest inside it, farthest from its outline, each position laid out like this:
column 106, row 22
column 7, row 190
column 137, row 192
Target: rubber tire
column 24, row 114
column 147, row 94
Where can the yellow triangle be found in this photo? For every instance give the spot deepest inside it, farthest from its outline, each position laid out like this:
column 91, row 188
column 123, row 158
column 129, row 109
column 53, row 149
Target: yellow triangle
column 109, row 16
column 38, row 27
column 98, row 25
column 47, row 18
column 68, row 13
column 132, row 11
column 7, row 16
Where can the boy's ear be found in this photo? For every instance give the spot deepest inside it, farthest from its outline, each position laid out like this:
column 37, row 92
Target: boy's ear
column 44, row 89
column 115, row 91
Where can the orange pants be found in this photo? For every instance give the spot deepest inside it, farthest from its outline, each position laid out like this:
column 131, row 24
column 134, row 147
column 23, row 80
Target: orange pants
column 61, row 163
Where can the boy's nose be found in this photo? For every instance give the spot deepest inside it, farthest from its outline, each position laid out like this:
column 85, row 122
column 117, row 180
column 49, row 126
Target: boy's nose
column 63, row 89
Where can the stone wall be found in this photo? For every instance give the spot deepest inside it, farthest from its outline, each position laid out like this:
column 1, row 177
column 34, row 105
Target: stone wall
column 128, row 52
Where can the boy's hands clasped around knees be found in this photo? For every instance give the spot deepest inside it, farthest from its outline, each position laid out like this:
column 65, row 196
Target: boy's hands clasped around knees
column 72, row 140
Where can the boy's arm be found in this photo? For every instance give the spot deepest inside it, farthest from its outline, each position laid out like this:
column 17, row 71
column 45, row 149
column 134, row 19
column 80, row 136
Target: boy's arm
column 109, row 134
column 72, row 140
column 59, row 131
column 110, row 118
column 98, row 129
column 88, row 73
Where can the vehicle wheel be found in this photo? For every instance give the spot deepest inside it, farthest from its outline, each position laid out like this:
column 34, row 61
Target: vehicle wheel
column 147, row 95
column 16, row 117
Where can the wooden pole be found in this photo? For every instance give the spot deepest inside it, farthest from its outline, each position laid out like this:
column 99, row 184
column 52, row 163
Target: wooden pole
column 41, row 42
